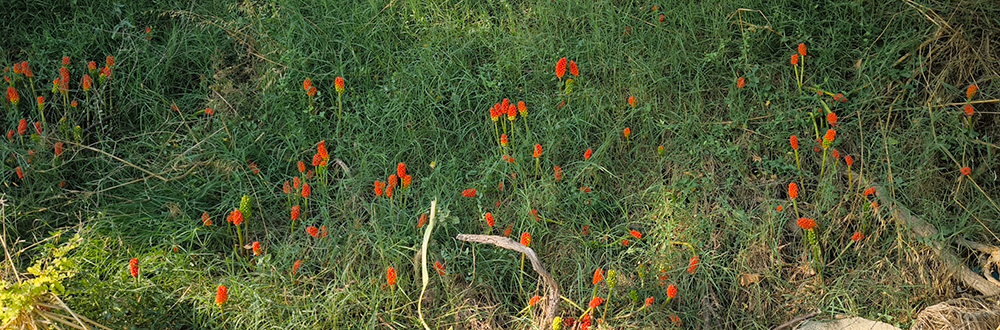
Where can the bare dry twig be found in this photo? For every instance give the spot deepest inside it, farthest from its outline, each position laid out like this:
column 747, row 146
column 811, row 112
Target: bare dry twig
column 552, row 297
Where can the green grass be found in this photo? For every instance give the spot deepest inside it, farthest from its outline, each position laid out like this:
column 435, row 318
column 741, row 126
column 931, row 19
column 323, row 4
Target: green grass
column 420, row 79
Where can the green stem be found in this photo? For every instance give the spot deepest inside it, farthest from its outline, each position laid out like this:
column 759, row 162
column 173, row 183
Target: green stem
column 822, row 165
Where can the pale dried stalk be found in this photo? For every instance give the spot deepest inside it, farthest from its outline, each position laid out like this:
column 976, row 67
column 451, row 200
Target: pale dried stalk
column 552, row 295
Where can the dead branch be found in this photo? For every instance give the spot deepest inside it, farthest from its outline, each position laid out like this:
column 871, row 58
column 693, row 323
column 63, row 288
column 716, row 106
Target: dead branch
column 551, row 297
column 925, row 230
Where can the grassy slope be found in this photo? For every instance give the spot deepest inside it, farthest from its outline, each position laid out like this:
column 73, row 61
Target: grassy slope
column 420, row 78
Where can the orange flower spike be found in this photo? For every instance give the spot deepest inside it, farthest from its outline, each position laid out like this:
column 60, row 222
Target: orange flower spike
column 506, row 232
column 558, row 172
column 595, row 302
column 693, row 264
column 561, row 68
column 12, row 96
column 794, row 140
column 671, row 291
column 971, row 91
column 206, row 220
column 534, row 300
column 322, row 231
column 26, row 70
column 538, row 151
column 393, row 180
column 598, row 276
column 836, row 154
column 439, row 267
column 587, row 154
column 221, row 295
column 20, row 173
column 379, row 188
column 573, row 70
column 649, row 301
column 869, row 192
column 966, row 171
column 133, row 267
column 636, row 234
column 401, row 169
column 489, row 219
column 306, row 191
column 802, row 50
column 503, row 140
column 795, row 59
column 296, row 211
column 627, row 131
column 526, row 239
column 65, row 61
column 522, row 108
column 857, row 236
column 631, row 101
column 422, row 220
column 302, row 167
column 58, row 149
column 969, row 110
column 17, row 69
column 831, row 118
column 92, row 67
column 849, row 160
column 296, row 183
column 109, row 61
column 321, row 151
column 338, row 85
column 237, row 217
column 469, row 193
column 22, row 127
column 780, row 208
column 390, row 276
column 256, row 248
column 313, row 231
column 741, row 82
column 511, row 112
column 806, row 223
column 406, row 181
column 87, row 83
column 793, row 191
column 296, row 266
column 828, row 138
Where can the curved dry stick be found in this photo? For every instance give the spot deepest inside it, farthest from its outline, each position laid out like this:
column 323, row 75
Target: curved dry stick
column 926, row 230
column 552, row 297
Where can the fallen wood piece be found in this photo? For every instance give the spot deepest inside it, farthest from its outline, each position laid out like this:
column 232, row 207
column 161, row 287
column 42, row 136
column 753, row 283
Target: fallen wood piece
column 552, row 297
column 925, row 230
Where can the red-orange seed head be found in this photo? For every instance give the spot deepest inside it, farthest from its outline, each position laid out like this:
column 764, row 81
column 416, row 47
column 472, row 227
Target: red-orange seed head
column 966, row 171
column 969, row 110
column 522, row 108
column 598, row 276
column 221, row 295
column 538, row 151
column 338, row 85
column 795, row 59
column 802, row 50
column 636, row 234
column 401, row 169
column 561, row 68
column 794, row 140
column 693, row 264
column 379, row 188
column 296, row 211
column 534, row 300
column 256, row 248
column 306, row 190
column 793, row 190
column 836, row 154
column 296, row 266
column 849, row 160
column 828, row 138
column 806, row 223
column 422, row 220
column 390, row 276
column 489, row 219
column 133, row 267
column 631, row 101
column 627, row 131
column 857, row 236
column 741, row 82
column 26, row 70
column 58, row 149
column 503, row 140
column 573, row 70
column 469, row 193
column 558, row 172
column 526, row 239
column 12, row 96
column 971, row 91
column 831, row 118
column 313, row 231
column 671, row 291
column 206, row 220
